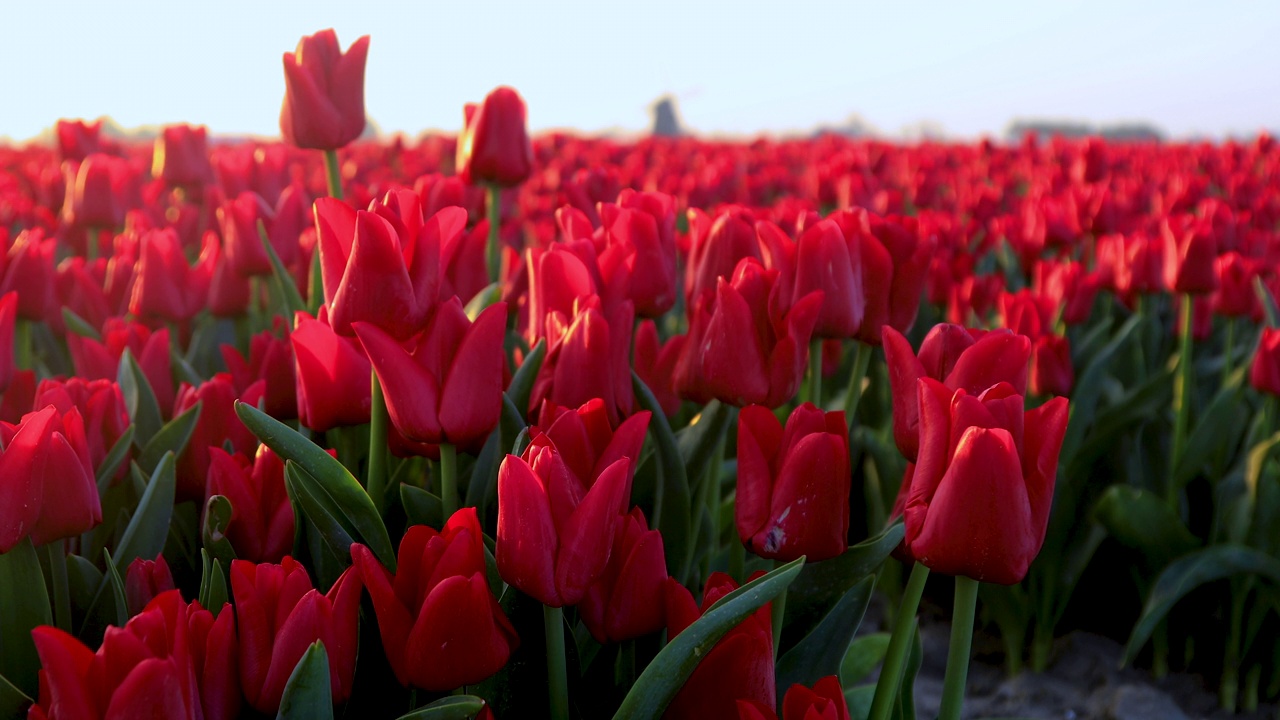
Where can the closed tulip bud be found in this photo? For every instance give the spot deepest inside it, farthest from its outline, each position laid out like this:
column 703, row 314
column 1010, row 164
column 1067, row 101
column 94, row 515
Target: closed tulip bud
column 588, row 357
column 494, row 144
column 824, row 701
column 332, row 375
column 239, row 219
column 891, row 262
column 957, row 357
column 95, row 193
column 1264, row 374
column 324, row 92
column 588, row 443
column 78, row 139
column 99, row 402
column 270, row 360
column 446, row 386
column 716, row 247
column 627, row 601
column 47, row 488
column 95, row 360
column 1051, row 370
column 144, row 580
column 165, row 286
column 826, row 262
column 216, row 425
column 441, row 626
column 29, row 270
column 181, row 156
column 738, row 667
column 262, row 523
column 1236, row 296
column 978, row 503
column 655, row 363
column 558, row 277
column 793, row 483
column 1191, row 248
column 280, row 615
column 555, row 535
column 646, row 227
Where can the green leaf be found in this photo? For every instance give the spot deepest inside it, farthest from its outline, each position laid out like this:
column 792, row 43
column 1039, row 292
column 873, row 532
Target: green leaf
column 139, row 399
column 665, row 675
column 1268, row 302
column 13, row 702
column 183, row 369
column 307, row 695
column 148, row 528
column 521, row 387
column 79, row 325
column 1088, row 387
column 822, row 651
column 339, row 488
column 24, row 605
column 115, row 458
column 864, row 655
column 698, row 441
column 672, row 512
column 859, row 699
column 421, row 507
column 483, row 299
column 83, row 578
column 1217, row 428
column 316, row 283
column 280, row 276
column 213, row 584
column 327, row 517
column 822, row 584
column 117, row 590
column 1141, row 520
column 172, row 437
column 213, row 532
column 457, row 707
column 1138, row 405
column 1190, row 572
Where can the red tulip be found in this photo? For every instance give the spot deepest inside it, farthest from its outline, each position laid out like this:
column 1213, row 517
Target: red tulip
column 144, row 580
column 1051, row 370
column 99, row 402
column 280, row 616
column 826, row 262
column 644, row 222
column 28, row 269
column 626, row 602
column 1191, row 249
column 324, row 92
column 958, row 357
column 165, row 287
column 825, row 701
column 739, row 667
column 588, row 444
column 47, row 488
column 217, row 424
column 447, row 385
column 655, row 363
column 17, row 399
column 262, row 524
column 95, row 193
column 441, row 626
column 181, row 157
column 78, row 139
column 270, row 360
column 494, row 144
column 555, row 534
column 1264, row 374
column 8, row 323
column 94, row 360
column 716, row 249
column 978, row 503
column 332, row 375
column 1236, row 296
column 587, row 358
column 793, row 484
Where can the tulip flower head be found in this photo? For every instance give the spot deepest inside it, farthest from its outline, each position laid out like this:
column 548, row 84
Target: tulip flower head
column 324, row 92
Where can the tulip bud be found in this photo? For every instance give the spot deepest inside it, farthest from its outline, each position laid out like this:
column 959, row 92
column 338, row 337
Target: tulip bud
column 324, row 92
column 494, row 144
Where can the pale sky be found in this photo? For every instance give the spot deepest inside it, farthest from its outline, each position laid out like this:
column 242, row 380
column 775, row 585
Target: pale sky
column 735, row 67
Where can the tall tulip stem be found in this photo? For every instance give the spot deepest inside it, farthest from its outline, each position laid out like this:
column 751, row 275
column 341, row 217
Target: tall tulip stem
column 557, row 670
column 961, row 643
column 903, row 629
column 1181, row 391
column 861, row 362
column 815, row 372
column 493, row 250
column 1228, row 355
column 448, row 479
column 56, row 554
column 378, row 420
column 333, row 173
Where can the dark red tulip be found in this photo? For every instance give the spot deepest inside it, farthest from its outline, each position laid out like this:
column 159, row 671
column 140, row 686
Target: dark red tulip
column 893, row 258
column 655, row 363
column 1051, row 370
column 99, row 402
column 494, row 144
column 47, row 489
column 1264, row 374
column 217, row 424
column 589, row 445
column 587, row 358
column 29, row 269
column 144, row 580
column 8, row 323
column 324, row 92
column 1191, row 248
column 825, row 261
column 626, row 602
column 825, row 701
column 716, row 247
column 271, row 361
column 262, row 524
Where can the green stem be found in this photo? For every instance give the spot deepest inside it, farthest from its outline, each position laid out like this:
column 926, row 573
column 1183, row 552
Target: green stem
column 1228, row 354
column 493, row 251
column 896, row 655
column 333, row 173
column 92, row 237
column 55, row 553
column 1249, row 703
column 22, row 356
column 448, row 479
column 1229, row 684
column 378, row 420
column 815, row 372
column 778, row 613
column 953, row 682
column 852, row 398
column 557, row 672
column 1181, row 393
column 1160, row 650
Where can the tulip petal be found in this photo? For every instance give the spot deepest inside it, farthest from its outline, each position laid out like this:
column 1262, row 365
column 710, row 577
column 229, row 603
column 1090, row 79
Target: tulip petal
column 412, row 393
column 471, row 394
column 527, row 538
column 586, row 540
column 456, row 640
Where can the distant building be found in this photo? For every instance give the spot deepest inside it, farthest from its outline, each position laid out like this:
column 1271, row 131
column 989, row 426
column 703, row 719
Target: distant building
column 666, row 118
column 1121, row 132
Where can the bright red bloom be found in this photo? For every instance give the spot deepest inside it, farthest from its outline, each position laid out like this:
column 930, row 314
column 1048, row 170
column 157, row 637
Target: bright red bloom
column 165, row 286
column 262, row 524
column 324, row 92
column 447, row 385
column 100, row 403
column 494, row 144
column 144, row 580
column 47, row 488
column 280, row 615
column 978, row 502
column 441, row 626
column 1264, row 374
column 716, row 247
column 793, row 483
column 8, row 323
column 78, row 139
column 588, row 443
column 825, row 261
column 958, row 357
column 626, row 602
column 1051, row 370
column 332, row 375
column 271, row 361
column 644, row 223
column 587, row 358
column 1191, row 249
column 892, row 261
column 217, row 424
column 555, row 534
column 28, row 268
column 95, row 360
column 95, row 193
column 739, row 667
column 181, row 156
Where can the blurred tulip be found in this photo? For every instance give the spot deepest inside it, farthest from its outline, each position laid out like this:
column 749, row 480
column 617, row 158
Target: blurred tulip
column 494, row 144
column 47, row 488
column 181, row 156
column 324, row 92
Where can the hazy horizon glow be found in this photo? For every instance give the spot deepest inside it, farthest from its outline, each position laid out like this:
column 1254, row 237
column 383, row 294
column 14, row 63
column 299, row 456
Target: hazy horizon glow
column 968, row 68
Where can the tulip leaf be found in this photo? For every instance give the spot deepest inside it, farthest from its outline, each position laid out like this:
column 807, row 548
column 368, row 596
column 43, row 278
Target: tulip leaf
column 83, row 578
column 421, row 507
column 13, row 702
column 863, row 656
column 699, row 439
column 672, row 512
column 1268, row 302
column 213, row 584
column 1190, row 572
column 1218, row 428
column 484, row 472
column 307, row 694
column 1255, row 517
column 673, row 665
column 859, row 699
column 114, row 460
column 79, row 325
column 112, row 575
column 24, row 605
column 457, row 707
column 822, row 584
column 328, row 477
column 148, row 529
column 320, row 509
column 1139, row 404
column 139, row 399
column 521, row 387
column 183, row 369
column 1088, row 387
column 173, row 437
column 213, row 531
column 316, row 282
column 1141, row 520
column 288, row 290
column 491, row 294
column 822, row 651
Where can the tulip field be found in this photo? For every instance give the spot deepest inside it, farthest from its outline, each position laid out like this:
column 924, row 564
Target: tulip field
column 501, row 425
